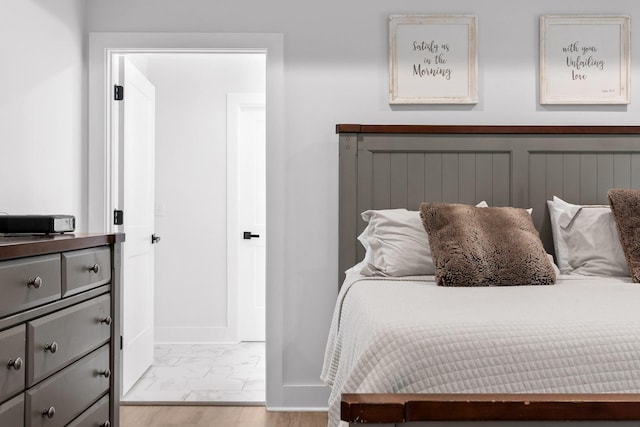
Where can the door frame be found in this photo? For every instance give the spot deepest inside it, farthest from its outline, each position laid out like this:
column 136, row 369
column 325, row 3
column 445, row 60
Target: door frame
column 103, row 169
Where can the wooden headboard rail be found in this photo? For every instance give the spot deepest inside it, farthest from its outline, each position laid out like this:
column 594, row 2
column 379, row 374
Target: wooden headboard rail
column 483, row 129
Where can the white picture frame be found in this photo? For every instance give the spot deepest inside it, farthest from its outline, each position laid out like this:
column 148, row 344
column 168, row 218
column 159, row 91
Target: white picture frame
column 585, row 59
column 433, row 59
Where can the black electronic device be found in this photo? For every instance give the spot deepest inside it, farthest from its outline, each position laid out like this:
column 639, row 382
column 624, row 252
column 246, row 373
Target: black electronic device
column 37, row 224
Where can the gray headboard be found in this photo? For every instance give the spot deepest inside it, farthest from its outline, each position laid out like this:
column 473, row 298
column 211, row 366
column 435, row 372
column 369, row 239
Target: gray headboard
column 397, row 166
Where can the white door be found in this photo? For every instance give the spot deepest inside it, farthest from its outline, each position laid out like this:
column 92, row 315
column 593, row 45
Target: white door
column 136, row 146
column 250, row 172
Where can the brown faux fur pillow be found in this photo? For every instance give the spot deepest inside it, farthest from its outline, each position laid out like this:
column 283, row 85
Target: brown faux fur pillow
column 485, row 246
column 625, row 205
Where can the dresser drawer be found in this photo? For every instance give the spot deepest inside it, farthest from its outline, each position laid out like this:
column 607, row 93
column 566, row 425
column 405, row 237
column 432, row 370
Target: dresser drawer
column 61, row 337
column 69, row 392
column 12, row 361
column 12, row 412
column 96, row 416
column 28, row 282
column 85, row 269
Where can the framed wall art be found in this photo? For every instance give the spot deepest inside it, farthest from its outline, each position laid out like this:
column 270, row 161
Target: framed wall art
column 433, row 59
column 584, row 59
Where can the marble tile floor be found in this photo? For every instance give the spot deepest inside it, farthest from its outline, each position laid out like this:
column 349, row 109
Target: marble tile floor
column 211, row 373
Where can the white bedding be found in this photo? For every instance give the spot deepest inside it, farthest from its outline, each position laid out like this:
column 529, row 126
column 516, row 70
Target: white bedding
column 408, row 335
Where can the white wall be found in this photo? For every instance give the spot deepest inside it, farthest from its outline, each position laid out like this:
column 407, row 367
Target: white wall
column 336, row 72
column 191, row 188
column 42, row 108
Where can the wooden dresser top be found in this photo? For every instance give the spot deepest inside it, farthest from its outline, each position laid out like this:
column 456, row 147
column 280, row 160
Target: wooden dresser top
column 22, row 246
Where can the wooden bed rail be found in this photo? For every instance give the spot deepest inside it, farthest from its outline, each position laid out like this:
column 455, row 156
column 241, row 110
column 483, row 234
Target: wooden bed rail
column 399, row 408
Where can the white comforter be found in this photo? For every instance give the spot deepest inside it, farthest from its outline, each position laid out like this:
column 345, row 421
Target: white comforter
column 581, row 335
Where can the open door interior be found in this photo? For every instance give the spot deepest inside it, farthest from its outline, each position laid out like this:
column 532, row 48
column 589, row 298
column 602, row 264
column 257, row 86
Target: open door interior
column 135, row 124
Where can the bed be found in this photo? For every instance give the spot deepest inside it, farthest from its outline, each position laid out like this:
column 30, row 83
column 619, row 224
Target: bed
column 379, row 367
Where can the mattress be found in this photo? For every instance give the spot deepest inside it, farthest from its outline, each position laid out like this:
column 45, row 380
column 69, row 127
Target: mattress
column 408, row 335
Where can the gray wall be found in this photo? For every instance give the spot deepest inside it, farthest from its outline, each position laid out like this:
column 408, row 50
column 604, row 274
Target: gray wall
column 43, row 108
column 335, row 71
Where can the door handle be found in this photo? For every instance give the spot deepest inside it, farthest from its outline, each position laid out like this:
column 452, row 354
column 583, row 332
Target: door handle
column 154, row 239
column 247, row 235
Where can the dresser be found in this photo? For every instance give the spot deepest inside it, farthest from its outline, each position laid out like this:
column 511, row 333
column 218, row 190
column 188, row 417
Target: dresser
column 60, row 330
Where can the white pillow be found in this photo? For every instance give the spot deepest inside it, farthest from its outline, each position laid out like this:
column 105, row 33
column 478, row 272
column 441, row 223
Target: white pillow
column 586, row 240
column 559, row 245
column 396, row 244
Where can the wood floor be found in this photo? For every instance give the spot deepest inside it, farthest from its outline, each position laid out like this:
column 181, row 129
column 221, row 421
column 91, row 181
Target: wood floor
column 216, row 416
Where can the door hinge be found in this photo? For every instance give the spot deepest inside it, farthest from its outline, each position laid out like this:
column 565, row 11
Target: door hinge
column 118, row 217
column 118, row 92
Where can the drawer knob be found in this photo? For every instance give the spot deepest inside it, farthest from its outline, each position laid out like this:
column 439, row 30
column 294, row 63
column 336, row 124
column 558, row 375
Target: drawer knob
column 35, row 282
column 15, row 363
column 49, row 413
column 106, row 320
column 105, row 373
column 53, row 347
column 106, row 424
column 95, row 268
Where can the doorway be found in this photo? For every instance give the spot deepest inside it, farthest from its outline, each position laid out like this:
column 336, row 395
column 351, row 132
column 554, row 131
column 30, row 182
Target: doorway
column 201, row 297
column 102, row 166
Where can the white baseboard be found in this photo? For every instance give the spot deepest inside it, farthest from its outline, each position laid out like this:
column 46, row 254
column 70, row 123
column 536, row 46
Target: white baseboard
column 304, row 397
column 191, row 335
column 296, row 409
